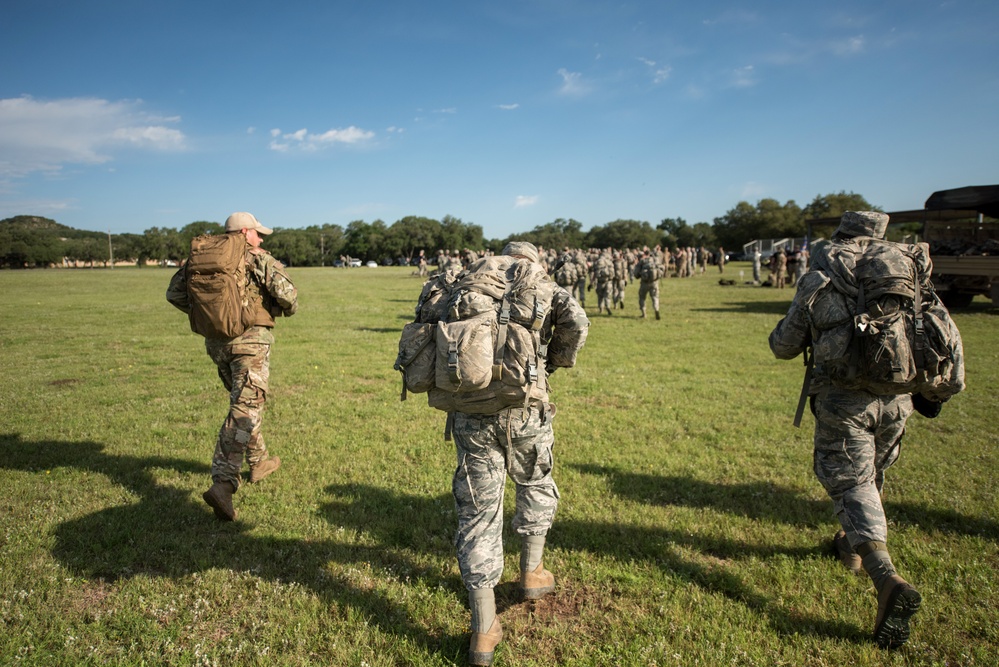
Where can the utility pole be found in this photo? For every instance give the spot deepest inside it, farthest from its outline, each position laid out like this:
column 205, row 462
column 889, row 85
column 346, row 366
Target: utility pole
column 110, row 250
column 322, row 250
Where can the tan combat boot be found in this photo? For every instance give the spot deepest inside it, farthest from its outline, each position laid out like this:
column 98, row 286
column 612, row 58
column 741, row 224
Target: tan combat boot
column 264, row 468
column 483, row 645
column 897, row 602
column 219, row 498
column 846, row 554
column 537, row 584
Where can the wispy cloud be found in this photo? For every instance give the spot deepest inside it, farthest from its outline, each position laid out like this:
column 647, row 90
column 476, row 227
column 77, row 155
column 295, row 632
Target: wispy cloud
column 524, row 201
column 43, row 136
column 848, row 46
column 659, row 73
column 744, row 77
column 508, row 107
column 305, row 141
column 734, row 16
column 572, row 83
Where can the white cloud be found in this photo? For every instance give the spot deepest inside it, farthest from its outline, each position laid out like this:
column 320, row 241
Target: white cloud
column 303, row 140
column 43, row 136
column 752, row 190
column 508, row 107
column 744, row 77
column 523, row 201
column 448, row 110
column 849, row 46
column 572, row 83
column 659, row 74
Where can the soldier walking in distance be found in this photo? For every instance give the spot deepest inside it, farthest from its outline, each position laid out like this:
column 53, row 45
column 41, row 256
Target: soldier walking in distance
column 243, row 361
column 859, row 287
column 649, row 270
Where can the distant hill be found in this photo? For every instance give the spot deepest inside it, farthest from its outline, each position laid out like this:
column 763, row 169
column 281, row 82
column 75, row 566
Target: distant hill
column 36, row 222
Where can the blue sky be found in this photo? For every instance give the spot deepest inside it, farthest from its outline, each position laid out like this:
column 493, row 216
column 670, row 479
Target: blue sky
column 125, row 115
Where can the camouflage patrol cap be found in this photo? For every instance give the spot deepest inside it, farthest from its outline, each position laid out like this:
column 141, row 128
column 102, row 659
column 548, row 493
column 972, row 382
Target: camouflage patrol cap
column 863, row 223
column 522, row 248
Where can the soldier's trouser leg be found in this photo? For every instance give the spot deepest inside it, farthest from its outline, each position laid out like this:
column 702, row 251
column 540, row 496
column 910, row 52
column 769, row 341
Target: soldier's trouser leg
column 581, row 292
column 244, row 370
column 857, row 437
column 643, row 292
column 654, row 293
column 516, row 442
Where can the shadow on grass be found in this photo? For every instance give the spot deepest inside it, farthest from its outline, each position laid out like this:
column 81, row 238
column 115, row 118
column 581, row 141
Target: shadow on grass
column 167, row 534
column 763, row 501
column 759, row 501
column 755, row 307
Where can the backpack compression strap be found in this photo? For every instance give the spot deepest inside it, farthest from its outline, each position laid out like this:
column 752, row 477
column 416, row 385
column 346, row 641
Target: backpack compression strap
column 504, row 322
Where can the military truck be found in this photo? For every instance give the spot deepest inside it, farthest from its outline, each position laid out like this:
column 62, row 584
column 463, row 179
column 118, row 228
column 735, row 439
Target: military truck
column 961, row 227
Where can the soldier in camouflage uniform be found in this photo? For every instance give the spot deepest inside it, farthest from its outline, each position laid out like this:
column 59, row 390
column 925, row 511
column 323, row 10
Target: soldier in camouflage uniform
column 649, row 270
column 620, row 278
column 244, row 365
column 858, row 436
column 516, row 442
column 603, row 274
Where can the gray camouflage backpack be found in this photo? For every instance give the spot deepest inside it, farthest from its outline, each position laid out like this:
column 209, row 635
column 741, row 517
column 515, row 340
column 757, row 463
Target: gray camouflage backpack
column 882, row 327
column 476, row 345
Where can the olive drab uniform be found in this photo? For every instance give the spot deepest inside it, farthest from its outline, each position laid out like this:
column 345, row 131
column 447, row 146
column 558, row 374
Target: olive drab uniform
column 243, row 362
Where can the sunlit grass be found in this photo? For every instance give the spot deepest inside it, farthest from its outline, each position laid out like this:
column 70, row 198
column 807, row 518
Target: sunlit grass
column 691, row 530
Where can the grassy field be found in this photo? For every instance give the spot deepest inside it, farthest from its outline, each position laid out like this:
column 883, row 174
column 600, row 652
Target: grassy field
column 691, row 529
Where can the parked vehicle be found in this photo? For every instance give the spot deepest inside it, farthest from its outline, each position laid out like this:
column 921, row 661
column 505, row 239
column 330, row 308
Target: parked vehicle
column 961, row 227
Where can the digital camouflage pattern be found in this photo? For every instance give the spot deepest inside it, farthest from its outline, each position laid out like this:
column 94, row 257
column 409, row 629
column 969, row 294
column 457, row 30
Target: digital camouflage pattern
column 649, row 270
column 517, row 442
column 858, row 436
column 603, row 270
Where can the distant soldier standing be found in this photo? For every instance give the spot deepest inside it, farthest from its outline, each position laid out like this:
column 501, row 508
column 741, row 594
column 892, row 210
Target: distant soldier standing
column 780, row 268
column 649, row 270
column 243, row 360
column 620, row 278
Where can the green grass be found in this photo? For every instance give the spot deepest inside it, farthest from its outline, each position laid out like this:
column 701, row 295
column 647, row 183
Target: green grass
column 691, row 530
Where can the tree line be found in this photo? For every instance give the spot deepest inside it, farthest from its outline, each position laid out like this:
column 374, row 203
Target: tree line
column 33, row 241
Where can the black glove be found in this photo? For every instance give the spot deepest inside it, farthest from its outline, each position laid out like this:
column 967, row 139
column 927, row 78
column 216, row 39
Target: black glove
column 926, row 407
column 589, row 288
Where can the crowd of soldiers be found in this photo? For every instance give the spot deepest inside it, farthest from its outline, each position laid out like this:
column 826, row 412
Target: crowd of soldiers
column 606, row 271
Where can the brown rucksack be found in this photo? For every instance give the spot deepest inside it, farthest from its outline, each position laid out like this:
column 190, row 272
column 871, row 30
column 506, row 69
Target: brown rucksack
column 216, row 285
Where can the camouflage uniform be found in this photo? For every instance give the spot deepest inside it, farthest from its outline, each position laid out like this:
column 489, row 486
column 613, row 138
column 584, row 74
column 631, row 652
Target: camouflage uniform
column 780, row 268
column 603, row 274
column 858, row 436
column 620, row 279
column 648, row 266
column 516, row 442
column 244, row 363
column 582, row 270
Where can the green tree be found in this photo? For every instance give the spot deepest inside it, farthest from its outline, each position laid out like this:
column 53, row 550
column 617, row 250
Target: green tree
column 768, row 219
column 623, row 234
column 558, row 234
column 836, row 204
column 407, row 236
column 363, row 240
column 199, row 228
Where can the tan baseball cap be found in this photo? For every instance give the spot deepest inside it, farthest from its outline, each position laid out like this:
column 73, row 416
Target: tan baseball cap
column 238, row 221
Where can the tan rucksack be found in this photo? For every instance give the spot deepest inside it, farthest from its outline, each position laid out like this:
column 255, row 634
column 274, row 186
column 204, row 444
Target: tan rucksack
column 216, row 285
column 484, row 351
